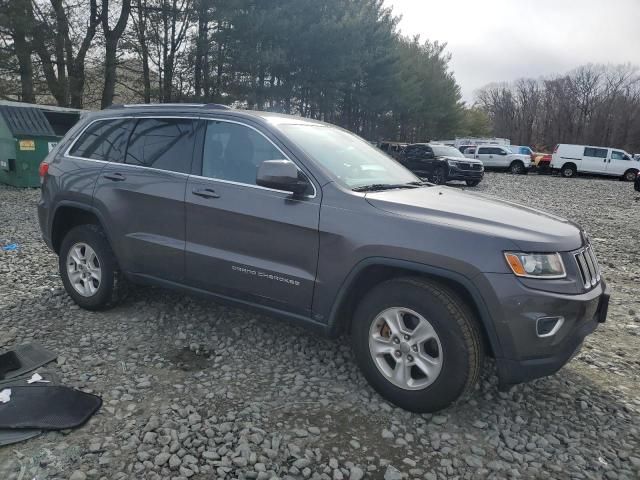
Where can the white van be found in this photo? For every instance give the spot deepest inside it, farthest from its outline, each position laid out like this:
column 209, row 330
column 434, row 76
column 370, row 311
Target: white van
column 573, row 159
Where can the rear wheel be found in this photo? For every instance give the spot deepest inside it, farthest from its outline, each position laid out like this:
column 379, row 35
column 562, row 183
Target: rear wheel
column 568, row 171
column 417, row 343
column 517, row 167
column 89, row 269
column 472, row 183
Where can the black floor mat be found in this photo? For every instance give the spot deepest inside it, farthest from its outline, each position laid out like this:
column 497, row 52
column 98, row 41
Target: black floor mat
column 53, row 377
column 47, row 408
column 23, row 359
column 7, row 437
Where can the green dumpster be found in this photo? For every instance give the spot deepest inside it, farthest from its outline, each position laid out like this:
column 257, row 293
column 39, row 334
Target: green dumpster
column 26, row 137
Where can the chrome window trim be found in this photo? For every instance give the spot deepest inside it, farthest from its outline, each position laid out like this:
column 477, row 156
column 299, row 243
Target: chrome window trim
column 209, row 119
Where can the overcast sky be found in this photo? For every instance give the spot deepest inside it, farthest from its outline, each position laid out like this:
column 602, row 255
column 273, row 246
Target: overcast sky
column 502, row 40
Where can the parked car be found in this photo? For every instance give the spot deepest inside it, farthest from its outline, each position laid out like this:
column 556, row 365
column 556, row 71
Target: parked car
column 393, row 149
column 303, row 220
column 542, row 162
column 522, row 150
column 570, row 160
column 500, row 157
column 441, row 164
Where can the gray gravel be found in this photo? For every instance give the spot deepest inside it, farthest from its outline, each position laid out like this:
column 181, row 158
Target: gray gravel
column 196, row 390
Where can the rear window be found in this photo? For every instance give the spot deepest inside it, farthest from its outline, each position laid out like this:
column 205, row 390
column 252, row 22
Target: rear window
column 595, row 152
column 162, row 143
column 104, row 140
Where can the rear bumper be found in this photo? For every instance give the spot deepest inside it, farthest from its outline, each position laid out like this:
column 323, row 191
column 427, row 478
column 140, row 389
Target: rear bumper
column 526, row 355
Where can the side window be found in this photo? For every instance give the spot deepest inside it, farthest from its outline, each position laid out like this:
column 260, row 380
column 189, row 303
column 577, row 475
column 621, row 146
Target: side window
column 595, row 152
column 616, row 155
column 103, row 140
column 233, row 152
column 162, row 143
column 484, row 151
column 501, row 151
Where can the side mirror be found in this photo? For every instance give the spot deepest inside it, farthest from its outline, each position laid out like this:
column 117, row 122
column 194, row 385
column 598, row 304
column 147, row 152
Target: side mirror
column 281, row 175
column 430, row 156
column 502, row 152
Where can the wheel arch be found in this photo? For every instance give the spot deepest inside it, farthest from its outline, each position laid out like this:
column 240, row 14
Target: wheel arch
column 635, row 170
column 569, row 164
column 372, row 271
column 68, row 215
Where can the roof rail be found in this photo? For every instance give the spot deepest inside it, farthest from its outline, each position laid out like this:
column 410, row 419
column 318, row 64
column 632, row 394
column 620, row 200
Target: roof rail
column 161, row 105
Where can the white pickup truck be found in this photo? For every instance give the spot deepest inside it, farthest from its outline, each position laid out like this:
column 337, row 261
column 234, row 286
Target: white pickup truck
column 499, row 156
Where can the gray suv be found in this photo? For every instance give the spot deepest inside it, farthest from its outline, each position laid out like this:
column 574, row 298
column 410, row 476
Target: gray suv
column 306, row 221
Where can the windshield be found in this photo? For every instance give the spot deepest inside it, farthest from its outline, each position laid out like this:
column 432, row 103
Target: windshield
column 445, row 151
column 351, row 160
column 519, row 150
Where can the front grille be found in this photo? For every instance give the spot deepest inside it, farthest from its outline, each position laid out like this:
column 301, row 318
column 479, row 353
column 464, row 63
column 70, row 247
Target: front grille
column 469, row 166
column 588, row 267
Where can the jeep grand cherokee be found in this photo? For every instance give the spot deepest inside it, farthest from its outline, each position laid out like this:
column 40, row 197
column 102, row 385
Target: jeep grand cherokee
column 306, row 221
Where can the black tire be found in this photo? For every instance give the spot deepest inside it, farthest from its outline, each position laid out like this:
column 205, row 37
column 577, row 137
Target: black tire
column 462, row 347
column 517, row 168
column 568, row 171
column 630, row 175
column 472, row 183
column 111, row 287
column 439, row 176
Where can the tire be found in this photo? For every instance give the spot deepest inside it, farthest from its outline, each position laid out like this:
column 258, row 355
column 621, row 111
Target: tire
column 630, row 175
column 104, row 285
column 457, row 346
column 472, row 183
column 439, row 176
column 517, row 168
column 568, row 171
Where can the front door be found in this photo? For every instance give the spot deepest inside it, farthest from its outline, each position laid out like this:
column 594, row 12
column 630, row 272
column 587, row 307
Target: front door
column 619, row 163
column 243, row 240
column 142, row 198
column 486, row 156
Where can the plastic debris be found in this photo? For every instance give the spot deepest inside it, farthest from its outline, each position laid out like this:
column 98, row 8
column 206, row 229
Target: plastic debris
column 5, row 395
column 37, row 378
column 10, row 247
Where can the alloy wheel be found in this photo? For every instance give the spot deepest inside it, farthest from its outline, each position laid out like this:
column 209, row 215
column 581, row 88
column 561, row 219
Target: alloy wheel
column 405, row 348
column 83, row 269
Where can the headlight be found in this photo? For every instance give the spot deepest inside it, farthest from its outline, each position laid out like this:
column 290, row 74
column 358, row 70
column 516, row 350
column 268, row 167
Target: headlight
column 536, row 265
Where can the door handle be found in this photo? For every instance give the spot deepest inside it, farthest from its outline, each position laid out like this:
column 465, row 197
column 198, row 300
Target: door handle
column 206, row 193
column 116, row 177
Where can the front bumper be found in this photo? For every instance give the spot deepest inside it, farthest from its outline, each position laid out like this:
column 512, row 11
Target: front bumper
column 526, row 355
column 456, row 173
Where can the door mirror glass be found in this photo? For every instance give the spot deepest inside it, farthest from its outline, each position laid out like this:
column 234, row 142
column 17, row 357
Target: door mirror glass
column 282, row 175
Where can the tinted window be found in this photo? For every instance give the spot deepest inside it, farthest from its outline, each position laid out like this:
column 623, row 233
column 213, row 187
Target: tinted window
column 595, row 152
column 163, row 143
column 103, row 140
column 484, row 151
column 233, row 152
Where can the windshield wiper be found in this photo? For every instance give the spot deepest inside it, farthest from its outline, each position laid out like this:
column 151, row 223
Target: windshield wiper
column 377, row 187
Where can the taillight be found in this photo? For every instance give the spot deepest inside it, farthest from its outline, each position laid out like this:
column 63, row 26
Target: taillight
column 43, row 170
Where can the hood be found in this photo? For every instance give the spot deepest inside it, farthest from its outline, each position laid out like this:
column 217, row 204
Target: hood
column 530, row 229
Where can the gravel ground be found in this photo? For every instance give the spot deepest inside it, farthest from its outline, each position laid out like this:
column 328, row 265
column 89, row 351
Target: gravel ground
column 196, row 390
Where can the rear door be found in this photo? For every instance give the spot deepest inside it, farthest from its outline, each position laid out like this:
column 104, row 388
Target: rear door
column 594, row 160
column 245, row 241
column 141, row 198
column 485, row 155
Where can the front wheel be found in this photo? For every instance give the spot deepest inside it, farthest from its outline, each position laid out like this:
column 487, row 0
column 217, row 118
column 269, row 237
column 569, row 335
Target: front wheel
column 472, row 183
column 417, row 343
column 439, row 176
column 89, row 269
column 568, row 171
column 517, row 168
column 630, row 175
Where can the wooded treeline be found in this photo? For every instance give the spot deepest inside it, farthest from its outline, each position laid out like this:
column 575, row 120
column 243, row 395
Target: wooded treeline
column 342, row 61
column 592, row 105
